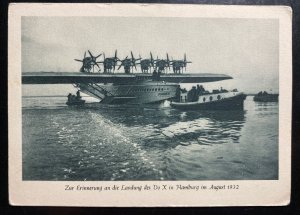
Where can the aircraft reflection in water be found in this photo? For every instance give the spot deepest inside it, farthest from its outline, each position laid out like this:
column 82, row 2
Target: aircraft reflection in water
column 127, row 87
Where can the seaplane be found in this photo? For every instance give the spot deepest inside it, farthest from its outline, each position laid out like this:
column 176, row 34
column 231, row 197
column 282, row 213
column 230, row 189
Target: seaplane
column 129, row 86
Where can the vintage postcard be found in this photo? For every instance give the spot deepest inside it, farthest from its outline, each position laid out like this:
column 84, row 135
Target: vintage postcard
column 149, row 105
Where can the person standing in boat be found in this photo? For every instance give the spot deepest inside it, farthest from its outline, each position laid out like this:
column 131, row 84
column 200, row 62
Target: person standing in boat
column 73, row 98
column 192, row 95
column 78, row 97
column 200, row 90
column 69, row 97
column 177, row 94
column 183, row 90
column 195, row 95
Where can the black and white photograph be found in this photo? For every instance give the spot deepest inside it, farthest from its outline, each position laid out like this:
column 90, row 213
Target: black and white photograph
column 159, row 98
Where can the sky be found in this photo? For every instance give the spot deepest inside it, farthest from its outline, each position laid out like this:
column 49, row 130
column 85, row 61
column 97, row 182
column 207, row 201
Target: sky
column 246, row 49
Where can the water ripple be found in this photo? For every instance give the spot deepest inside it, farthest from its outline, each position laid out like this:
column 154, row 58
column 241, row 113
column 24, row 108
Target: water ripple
column 106, row 142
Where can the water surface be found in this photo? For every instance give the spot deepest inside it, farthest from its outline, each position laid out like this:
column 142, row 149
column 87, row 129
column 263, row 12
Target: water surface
column 147, row 142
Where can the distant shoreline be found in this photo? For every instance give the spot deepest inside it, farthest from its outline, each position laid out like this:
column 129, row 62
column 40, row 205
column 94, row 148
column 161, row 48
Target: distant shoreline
column 50, row 96
column 250, row 94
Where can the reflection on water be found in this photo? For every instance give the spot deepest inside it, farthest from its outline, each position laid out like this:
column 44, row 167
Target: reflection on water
column 150, row 142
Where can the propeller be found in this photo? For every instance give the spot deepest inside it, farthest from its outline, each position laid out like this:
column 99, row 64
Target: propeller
column 94, row 59
column 115, row 59
column 140, row 59
column 122, row 62
column 83, row 58
column 155, row 67
column 103, row 58
column 89, row 62
column 168, row 61
column 151, row 59
column 185, row 61
column 133, row 60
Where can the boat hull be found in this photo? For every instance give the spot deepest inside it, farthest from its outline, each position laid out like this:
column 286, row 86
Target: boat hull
column 74, row 103
column 232, row 103
column 266, row 98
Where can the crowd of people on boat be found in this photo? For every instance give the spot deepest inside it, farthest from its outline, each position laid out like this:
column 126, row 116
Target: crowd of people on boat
column 74, row 98
column 196, row 91
column 193, row 94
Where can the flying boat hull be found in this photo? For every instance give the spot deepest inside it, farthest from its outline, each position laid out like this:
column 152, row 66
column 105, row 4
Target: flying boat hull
column 138, row 93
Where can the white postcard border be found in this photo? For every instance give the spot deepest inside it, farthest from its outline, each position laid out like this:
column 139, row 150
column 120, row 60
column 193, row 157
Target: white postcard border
column 50, row 193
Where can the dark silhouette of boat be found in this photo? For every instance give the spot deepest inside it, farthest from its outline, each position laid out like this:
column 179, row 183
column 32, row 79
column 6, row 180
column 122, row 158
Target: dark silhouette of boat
column 203, row 100
column 79, row 102
column 265, row 97
column 75, row 100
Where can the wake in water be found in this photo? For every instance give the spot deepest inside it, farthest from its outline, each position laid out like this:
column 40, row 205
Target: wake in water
column 150, row 142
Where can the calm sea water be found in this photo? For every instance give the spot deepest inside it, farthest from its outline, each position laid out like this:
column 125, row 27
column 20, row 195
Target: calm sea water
column 104, row 142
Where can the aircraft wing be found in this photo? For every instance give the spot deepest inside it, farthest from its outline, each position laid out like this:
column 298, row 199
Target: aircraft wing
column 118, row 78
column 193, row 77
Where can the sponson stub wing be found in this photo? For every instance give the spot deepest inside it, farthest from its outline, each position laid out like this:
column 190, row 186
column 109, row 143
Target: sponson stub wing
column 118, row 78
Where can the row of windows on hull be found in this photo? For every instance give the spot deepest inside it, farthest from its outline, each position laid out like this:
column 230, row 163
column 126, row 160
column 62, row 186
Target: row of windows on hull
column 211, row 98
column 149, row 89
column 204, row 99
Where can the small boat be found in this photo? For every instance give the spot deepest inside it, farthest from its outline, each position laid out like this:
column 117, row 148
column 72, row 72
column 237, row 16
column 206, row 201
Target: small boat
column 265, row 97
column 217, row 100
column 75, row 102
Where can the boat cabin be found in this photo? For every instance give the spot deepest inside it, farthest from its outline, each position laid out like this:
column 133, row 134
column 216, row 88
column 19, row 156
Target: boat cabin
column 203, row 96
